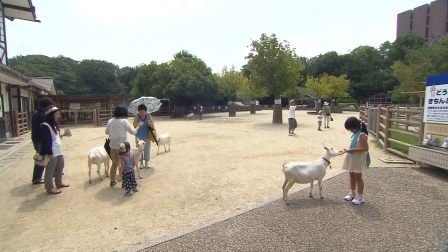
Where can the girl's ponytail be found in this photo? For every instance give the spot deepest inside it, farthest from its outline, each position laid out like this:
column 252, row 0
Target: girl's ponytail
column 364, row 128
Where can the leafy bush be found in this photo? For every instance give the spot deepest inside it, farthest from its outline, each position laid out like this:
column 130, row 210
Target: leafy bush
column 346, row 100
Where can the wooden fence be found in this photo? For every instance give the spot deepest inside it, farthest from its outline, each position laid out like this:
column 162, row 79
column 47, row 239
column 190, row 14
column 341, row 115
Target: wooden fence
column 22, row 125
column 393, row 120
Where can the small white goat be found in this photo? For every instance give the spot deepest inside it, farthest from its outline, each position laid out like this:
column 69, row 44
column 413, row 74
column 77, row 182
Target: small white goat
column 190, row 116
column 164, row 139
column 307, row 172
column 137, row 153
column 98, row 155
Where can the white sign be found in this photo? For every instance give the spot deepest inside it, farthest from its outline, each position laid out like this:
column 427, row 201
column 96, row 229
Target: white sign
column 436, row 102
column 278, row 101
column 75, row 105
column 257, row 102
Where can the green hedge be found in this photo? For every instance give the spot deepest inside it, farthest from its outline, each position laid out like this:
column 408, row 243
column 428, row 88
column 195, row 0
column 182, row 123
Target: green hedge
column 346, row 100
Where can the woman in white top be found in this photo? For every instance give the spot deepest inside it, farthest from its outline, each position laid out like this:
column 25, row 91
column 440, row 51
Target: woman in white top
column 292, row 118
column 117, row 128
column 50, row 144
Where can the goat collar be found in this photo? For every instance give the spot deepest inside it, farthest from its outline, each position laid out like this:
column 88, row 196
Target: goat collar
column 328, row 161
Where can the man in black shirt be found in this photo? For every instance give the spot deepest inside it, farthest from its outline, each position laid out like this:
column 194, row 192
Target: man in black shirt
column 36, row 121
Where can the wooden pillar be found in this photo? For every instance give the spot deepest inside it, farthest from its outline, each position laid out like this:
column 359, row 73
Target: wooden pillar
column 16, row 123
column 421, row 128
column 388, row 125
column 76, row 117
column 232, row 109
column 378, row 127
column 19, row 100
column 252, row 107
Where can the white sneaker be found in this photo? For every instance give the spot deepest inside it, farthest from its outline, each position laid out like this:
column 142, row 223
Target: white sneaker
column 290, row 134
column 349, row 197
column 358, row 201
column 141, row 165
column 147, row 165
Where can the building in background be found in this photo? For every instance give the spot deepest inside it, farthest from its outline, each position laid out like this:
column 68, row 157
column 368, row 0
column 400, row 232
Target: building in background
column 428, row 20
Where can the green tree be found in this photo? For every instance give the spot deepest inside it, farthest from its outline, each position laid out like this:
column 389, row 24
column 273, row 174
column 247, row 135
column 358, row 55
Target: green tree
column 331, row 63
column 230, row 82
column 98, row 77
column 275, row 66
column 60, row 68
column 126, row 76
column 417, row 65
column 327, row 86
column 408, row 41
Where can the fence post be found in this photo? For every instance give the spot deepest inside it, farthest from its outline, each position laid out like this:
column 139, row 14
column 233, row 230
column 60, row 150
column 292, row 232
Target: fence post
column 16, row 123
column 388, row 125
column 421, row 128
column 406, row 127
column 378, row 127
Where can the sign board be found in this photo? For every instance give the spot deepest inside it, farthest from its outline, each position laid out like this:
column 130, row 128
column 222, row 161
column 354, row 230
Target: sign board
column 278, row 101
column 257, row 102
column 436, row 99
column 75, row 106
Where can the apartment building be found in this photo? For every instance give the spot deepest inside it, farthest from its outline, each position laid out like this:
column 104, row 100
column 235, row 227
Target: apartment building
column 428, row 20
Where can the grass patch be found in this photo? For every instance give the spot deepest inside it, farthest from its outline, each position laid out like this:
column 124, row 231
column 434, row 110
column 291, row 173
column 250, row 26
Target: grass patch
column 402, row 138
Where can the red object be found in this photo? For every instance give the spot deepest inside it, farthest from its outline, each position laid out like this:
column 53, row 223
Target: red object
column 172, row 115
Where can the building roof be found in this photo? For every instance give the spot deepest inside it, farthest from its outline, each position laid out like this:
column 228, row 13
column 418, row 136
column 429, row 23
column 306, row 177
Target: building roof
column 20, row 9
column 307, row 92
column 11, row 76
column 45, row 83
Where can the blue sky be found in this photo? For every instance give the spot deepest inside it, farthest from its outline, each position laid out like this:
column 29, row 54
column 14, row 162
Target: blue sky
column 129, row 33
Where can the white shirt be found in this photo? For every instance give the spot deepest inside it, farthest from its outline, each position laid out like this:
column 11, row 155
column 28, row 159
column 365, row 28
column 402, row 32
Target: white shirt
column 118, row 130
column 292, row 111
column 55, row 141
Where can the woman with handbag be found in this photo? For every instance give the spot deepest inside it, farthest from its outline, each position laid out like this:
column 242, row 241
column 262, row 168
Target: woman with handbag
column 143, row 133
column 327, row 115
column 50, row 140
column 117, row 128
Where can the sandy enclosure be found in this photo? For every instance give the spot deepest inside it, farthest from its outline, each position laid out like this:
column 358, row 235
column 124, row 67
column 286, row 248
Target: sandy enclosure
column 216, row 167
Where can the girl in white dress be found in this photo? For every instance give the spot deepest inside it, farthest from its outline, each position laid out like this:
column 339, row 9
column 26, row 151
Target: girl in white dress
column 355, row 160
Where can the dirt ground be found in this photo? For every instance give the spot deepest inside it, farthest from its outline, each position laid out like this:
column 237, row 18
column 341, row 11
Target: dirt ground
column 217, row 167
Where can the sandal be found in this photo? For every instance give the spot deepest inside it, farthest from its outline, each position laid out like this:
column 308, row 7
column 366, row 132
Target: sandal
column 38, row 181
column 113, row 183
column 53, row 191
column 62, row 185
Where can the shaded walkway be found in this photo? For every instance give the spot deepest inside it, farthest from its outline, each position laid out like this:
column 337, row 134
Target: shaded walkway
column 406, row 210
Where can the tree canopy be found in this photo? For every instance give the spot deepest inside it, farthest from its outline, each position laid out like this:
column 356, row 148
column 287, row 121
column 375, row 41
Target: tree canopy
column 275, row 66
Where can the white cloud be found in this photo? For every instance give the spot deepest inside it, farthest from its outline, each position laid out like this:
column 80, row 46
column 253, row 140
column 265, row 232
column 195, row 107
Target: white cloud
column 307, row 47
column 118, row 12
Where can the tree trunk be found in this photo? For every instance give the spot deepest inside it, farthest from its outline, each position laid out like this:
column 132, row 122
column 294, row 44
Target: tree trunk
column 318, row 105
column 252, row 107
column 277, row 112
column 180, row 111
column 232, row 110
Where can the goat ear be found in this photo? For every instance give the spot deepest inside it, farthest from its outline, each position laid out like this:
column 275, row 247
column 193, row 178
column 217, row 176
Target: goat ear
column 325, row 148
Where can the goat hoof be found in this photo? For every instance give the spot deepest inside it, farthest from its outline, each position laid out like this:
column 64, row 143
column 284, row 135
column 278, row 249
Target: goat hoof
column 287, row 203
column 141, row 177
column 321, row 197
column 311, row 195
column 90, row 182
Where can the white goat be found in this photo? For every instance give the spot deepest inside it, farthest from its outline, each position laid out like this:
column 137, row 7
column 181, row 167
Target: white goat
column 164, row 139
column 190, row 116
column 98, row 155
column 307, row 172
column 137, row 153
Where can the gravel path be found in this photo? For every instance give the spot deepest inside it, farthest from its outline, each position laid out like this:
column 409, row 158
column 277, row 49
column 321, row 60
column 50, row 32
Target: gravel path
column 406, row 210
